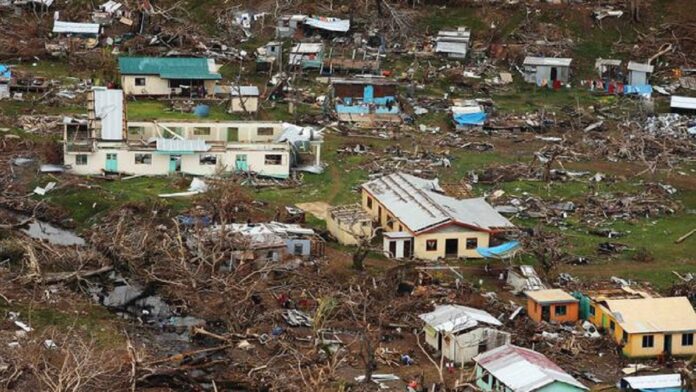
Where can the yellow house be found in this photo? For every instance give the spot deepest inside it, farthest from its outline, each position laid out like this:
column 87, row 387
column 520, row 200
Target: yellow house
column 423, row 222
column 648, row 327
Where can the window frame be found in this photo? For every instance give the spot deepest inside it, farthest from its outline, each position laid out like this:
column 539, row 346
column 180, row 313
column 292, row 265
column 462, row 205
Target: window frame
column 140, row 82
column 431, row 245
column 687, row 339
column 557, row 310
column 208, row 160
column 593, row 311
column 145, row 159
column 264, row 131
column 475, row 242
column 199, row 131
column 369, row 202
column 136, row 130
column 78, row 159
column 271, row 162
column 297, row 249
column 648, row 339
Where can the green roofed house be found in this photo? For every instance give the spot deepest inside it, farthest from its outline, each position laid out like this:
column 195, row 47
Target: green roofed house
column 169, row 76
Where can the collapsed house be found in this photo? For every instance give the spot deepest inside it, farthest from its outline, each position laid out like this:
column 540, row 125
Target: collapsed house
column 467, row 114
column 169, row 76
column 366, row 100
column 367, row 63
column 307, row 55
column 460, row 332
column 72, row 36
column 646, row 326
column 453, row 43
column 268, row 55
column 679, row 104
column 523, row 278
column 108, row 143
column 552, row 306
column 297, row 26
column 349, row 224
column 5, row 79
column 430, row 224
column 547, row 71
column 609, row 69
column 107, row 12
column 515, row 369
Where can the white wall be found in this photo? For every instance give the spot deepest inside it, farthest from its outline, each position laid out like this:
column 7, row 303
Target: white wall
column 251, row 104
column 154, row 85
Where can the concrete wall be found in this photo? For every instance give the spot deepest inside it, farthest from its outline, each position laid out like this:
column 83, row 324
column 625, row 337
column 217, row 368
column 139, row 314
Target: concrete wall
column 154, row 85
column 248, row 131
column 251, row 104
column 534, row 311
column 535, row 74
column 343, row 231
column 305, row 243
column 96, row 163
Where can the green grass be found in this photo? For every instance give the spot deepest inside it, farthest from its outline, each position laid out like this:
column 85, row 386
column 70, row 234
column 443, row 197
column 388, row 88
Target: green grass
column 525, row 98
column 453, row 17
column 145, row 110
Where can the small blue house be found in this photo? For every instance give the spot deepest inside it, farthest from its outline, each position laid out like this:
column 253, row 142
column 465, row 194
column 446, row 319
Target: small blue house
column 652, row 383
column 5, row 77
column 367, row 100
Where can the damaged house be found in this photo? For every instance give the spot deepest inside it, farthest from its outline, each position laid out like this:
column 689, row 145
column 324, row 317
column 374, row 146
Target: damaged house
column 366, row 100
column 515, row 369
column 297, row 26
column 307, row 55
column 429, row 224
column 638, row 73
column 349, row 224
column 460, row 332
column 108, row 143
column 547, row 71
column 453, row 43
column 169, row 76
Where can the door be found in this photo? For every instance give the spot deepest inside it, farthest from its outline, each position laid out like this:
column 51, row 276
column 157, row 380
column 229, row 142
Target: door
column 407, row 249
column 554, row 73
column 452, row 247
column 546, row 313
column 369, row 94
column 111, row 163
column 241, row 163
column 174, row 163
column 232, row 134
column 667, row 347
column 392, row 249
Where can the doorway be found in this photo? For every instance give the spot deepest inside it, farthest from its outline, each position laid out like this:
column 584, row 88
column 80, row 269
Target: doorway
column 546, row 313
column 554, row 73
column 369, row 94
column 452, row 247
column 174, row 163
column 407, row 249
column 392, row 249
column 111, row 163
column 667, row 346
column 240, row 162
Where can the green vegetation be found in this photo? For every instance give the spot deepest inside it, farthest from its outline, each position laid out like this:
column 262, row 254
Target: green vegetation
column 143, row 110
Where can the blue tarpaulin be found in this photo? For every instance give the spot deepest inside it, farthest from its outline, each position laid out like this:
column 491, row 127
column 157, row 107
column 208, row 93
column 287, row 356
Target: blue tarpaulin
column 470, row 118
column 5, row 72
column 500, row 251
column 645, row 89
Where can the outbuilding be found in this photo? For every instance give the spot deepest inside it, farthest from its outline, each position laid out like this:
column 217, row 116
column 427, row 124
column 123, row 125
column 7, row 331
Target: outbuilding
column 552, row 305
column 638, row 73
column 169, row 76
column 547, row 71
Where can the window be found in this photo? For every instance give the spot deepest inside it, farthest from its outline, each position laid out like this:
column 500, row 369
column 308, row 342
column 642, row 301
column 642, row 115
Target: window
column 274, row 159
column 81, row 159
column 648, row 341
column 208, row 159
column 592, row 310
column 486, row 378
column 177, row 130
column 431, row 245
column 298, row 249
column 390, row 222
column 265, row 131
column 143, row 159
column 687, row 339
column 232, row 134
column 612, row 326
column 471, row 243
column 624, row 337
column 369, row 202
column 201, row 131
column 140, row 82
column 136, row 130
column 561, row 310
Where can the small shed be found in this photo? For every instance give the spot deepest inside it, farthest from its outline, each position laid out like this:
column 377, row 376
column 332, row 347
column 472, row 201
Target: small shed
column 639, row 73
column 244, row 99
column 552, row 305
column 349, row 222
column 549, row 71
column 652, row 383
column 608, row 69
column 307, row 55
column 680, row 104
column 398, row 244
column 453, row 43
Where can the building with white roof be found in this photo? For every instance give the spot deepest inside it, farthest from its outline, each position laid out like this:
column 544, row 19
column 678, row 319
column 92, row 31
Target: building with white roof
column 546, row 70
column 461, row 332
column 453, row 43
column 434, row 225
column 515, row 369
column 639, row 73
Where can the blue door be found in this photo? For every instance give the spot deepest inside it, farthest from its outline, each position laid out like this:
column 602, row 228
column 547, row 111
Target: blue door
column 111, row 163
column 369, row 94
column 241, row 163
column 174, row 163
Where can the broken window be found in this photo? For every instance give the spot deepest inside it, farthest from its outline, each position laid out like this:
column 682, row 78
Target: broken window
column 431, row 245
column 201, row 131
column 486, row 378
column 648, row 341
column 687, row 339
column 369, row 202
column 136, row 131
column 81, row 159
column 208, row 159
column 140, row 82
column 143, row 159
column 471, row 243
column 274, row 159
column 265, row 131
column 298, row 249
column 561, row 310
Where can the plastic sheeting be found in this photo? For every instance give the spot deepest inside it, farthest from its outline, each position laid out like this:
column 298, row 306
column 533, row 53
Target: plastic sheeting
column 470, row 118
column 645, row 89
column 499, row 252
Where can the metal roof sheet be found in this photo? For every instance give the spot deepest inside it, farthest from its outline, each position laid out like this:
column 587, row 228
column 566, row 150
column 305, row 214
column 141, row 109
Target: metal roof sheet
column 245, row 91
column 451, row 47
column 523, row 370
column 307, row 47
column 329, row 24
column 550, row 296
column 646, row 315
column 455, row 318
column 612, row 62
column 75, row 28
column 679, row 102
column 108, row 107
column 653, row 382
column 640, row 67
column 181, row 145
column 170, row 67
column 551, row 61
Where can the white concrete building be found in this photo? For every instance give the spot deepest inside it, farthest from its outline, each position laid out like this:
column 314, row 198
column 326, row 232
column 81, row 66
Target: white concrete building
column 108, row 143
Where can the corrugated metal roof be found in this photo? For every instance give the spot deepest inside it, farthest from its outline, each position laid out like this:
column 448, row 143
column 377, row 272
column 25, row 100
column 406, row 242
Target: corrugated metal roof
column 679, row 102
column 523, row 370
column 550, row 296
column 451, row 47
column 244, row 91
column 640, row 67
column 108, row 107
column 181, row 145
column 329, row 24
column 61, row 27
column 646, row 315
column 170, row 67
column 611, row 62
column 455, row 318
column 307, row 47
column 653, row 382
column 550, row 61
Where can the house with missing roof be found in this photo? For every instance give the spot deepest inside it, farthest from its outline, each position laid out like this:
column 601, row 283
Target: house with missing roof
column 169, row 76
column 511, row 368
column 460, row 332
column 366, row 100
column 552, row 305
column 107, row 142
column 421, row 220
column 546, row 71
column 647, row 327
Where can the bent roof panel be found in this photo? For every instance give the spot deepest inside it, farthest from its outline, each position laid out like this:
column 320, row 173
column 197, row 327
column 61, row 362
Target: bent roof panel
column 455, row 318
column 75, row 28
column 170, row 67
column 551, row 61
